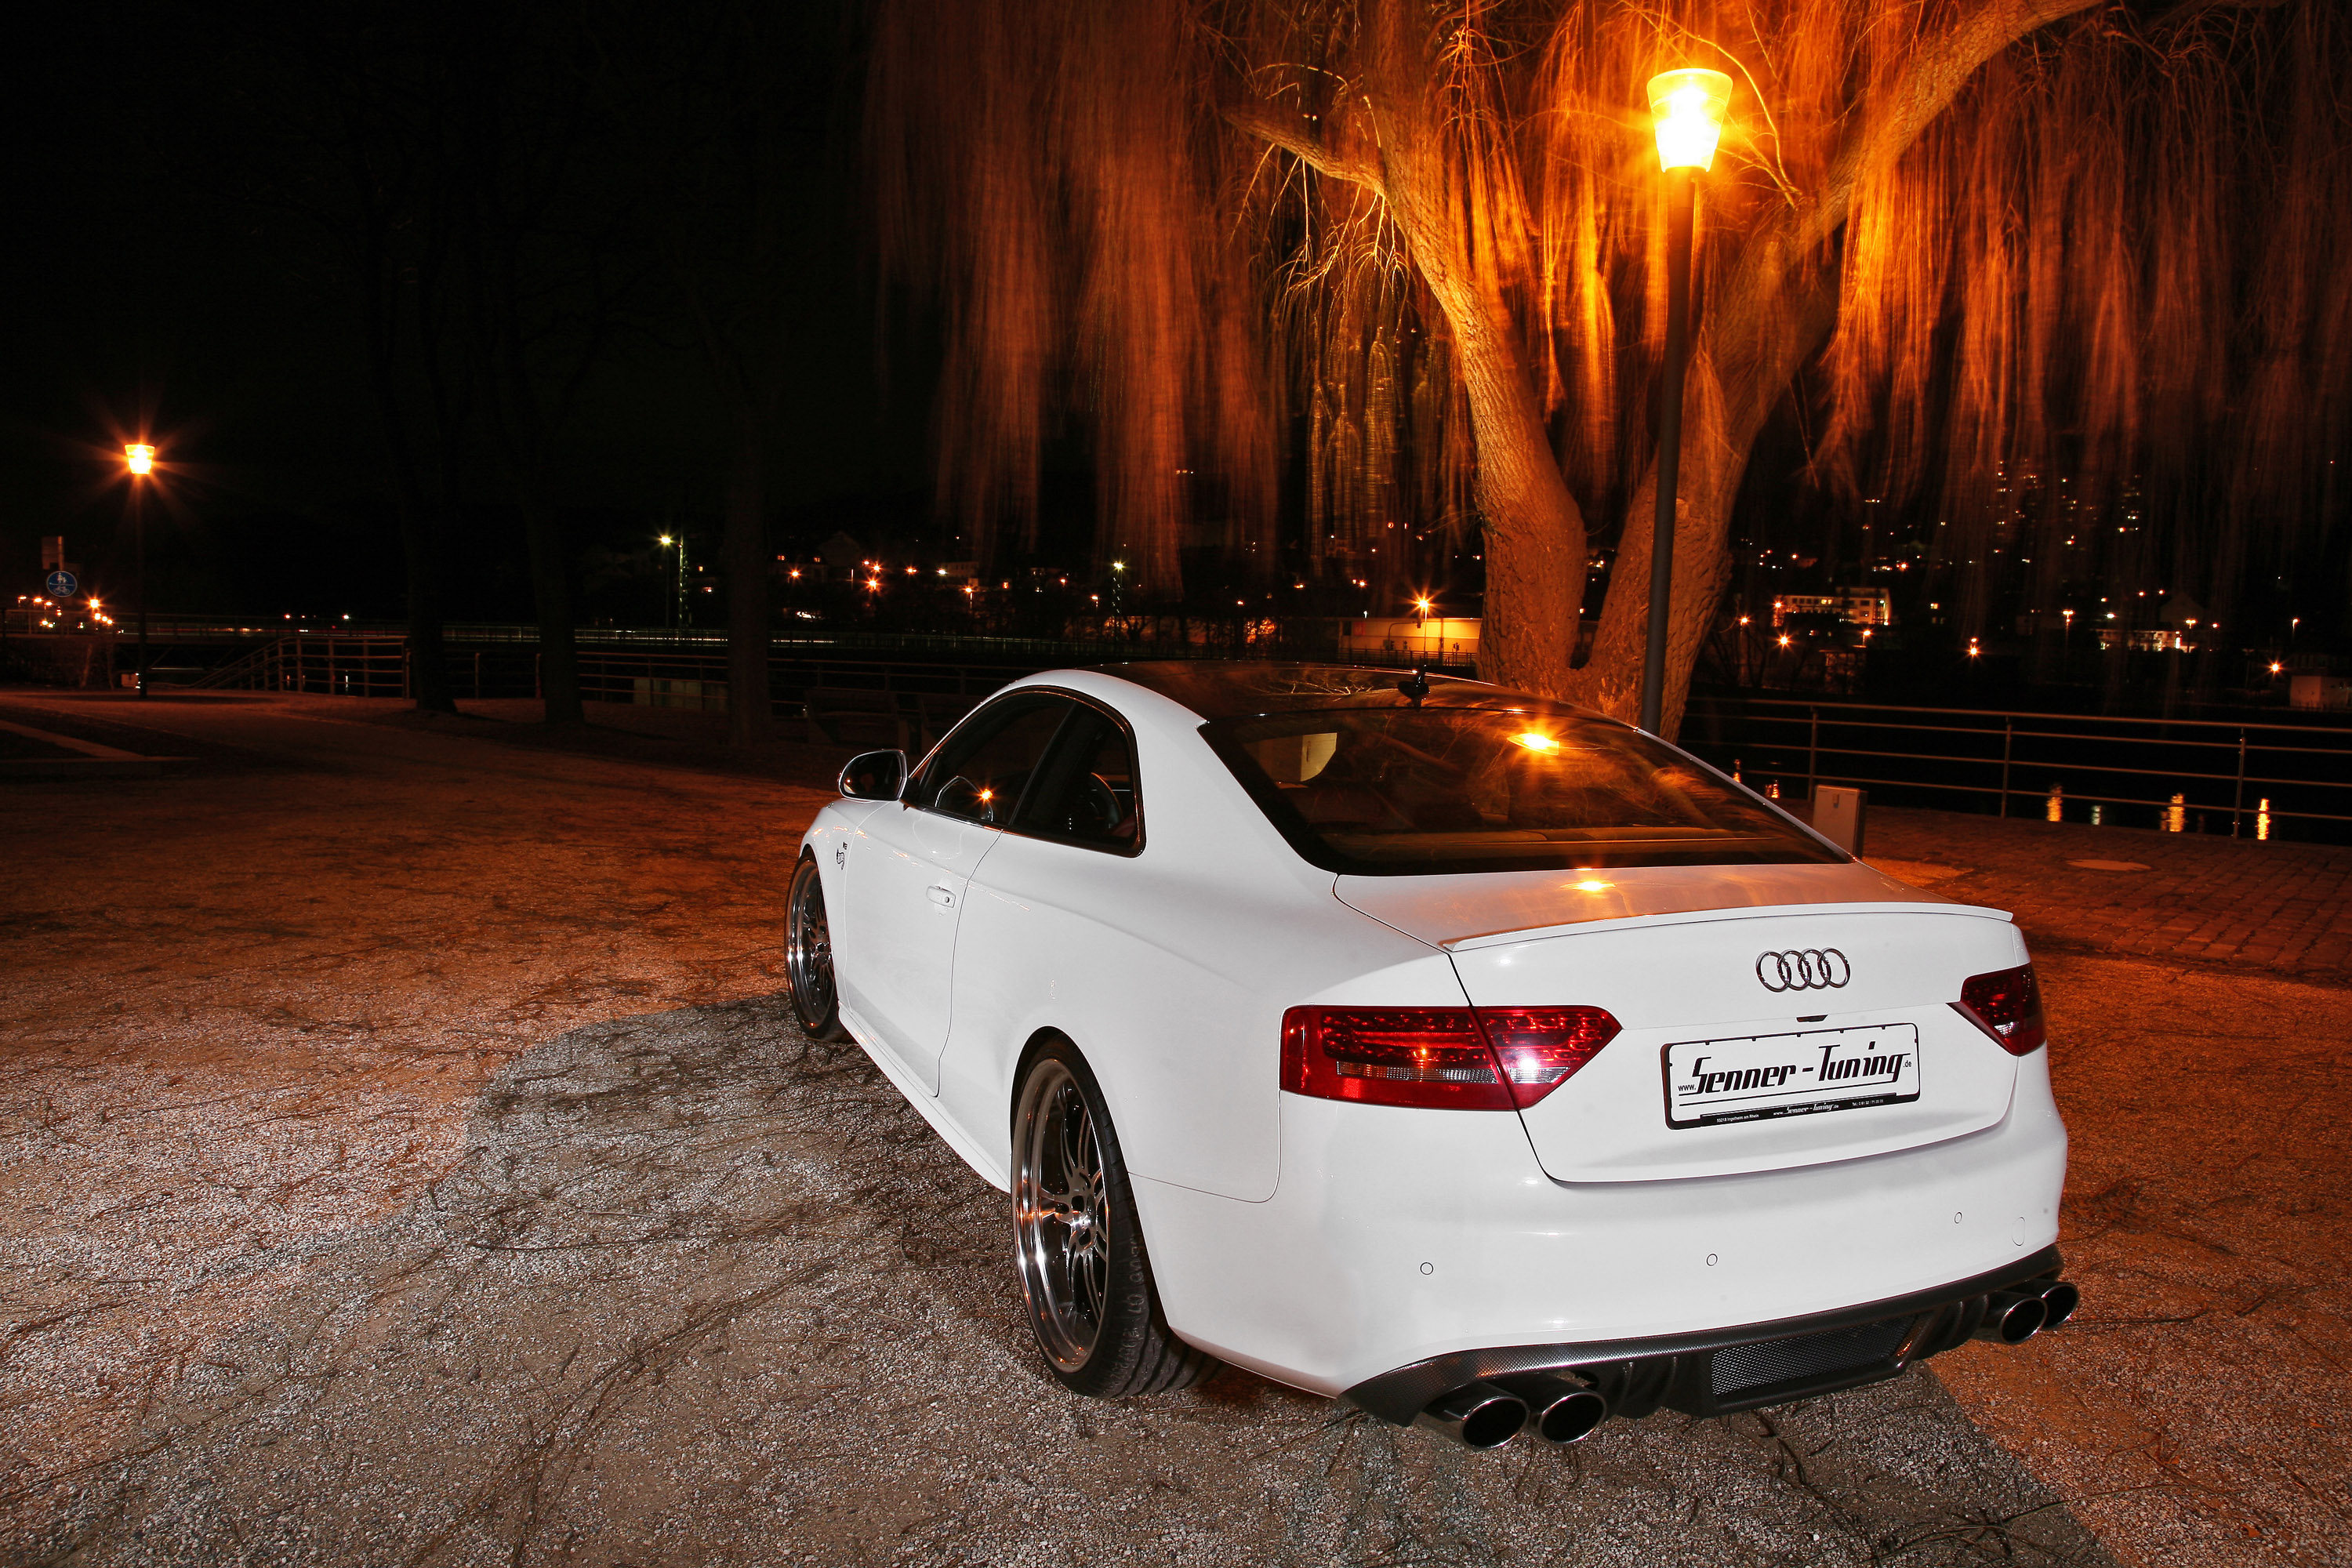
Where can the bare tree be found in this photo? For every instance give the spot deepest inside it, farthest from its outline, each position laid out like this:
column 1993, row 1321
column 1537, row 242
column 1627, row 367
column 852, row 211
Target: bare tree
column 724, row 104
column 552, row 264
column 1932, row 227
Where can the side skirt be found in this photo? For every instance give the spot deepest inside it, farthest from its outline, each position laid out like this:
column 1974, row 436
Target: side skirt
column 967, row 1147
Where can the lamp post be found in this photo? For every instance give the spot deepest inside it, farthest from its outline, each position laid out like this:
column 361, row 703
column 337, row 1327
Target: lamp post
column 140, row 459
column 678, row 610
column 1688, row 108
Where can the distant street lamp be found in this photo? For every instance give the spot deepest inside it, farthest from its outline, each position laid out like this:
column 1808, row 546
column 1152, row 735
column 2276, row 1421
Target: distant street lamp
column 1689, row 107
column 139, row 458
column 679, row 610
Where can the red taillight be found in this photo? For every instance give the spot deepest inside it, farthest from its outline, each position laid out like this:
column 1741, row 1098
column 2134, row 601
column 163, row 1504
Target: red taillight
column 1489, row 1060
column 1542, row 1048
column 2006, row 1005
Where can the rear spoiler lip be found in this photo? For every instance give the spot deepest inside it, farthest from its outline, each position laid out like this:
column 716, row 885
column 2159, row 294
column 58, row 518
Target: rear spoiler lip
column 1739, row 912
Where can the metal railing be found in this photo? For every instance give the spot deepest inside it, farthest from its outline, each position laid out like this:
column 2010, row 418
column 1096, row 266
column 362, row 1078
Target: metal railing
column 335, row 666
column 831, row 640
column 2195, row 767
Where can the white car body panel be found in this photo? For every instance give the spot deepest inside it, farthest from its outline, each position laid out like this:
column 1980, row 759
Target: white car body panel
column 913, row 871
column 1174, row 1011
column 1288, row 1234
column 1701, row 983
column 1323, row 1287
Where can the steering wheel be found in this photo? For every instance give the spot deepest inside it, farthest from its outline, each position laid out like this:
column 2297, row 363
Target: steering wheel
column 1096, row 800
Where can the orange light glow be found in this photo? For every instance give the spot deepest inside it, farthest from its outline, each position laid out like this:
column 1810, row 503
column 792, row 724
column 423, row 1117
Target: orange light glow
column 140, row 456
column 1784, row 639
column 1593, row 886
column 1536, row 741
column 1689, row 108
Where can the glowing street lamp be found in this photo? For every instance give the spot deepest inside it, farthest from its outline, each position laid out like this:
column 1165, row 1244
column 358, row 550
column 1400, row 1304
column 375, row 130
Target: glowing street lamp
column 1689, row 107
column 681, row 610
column 140, row 459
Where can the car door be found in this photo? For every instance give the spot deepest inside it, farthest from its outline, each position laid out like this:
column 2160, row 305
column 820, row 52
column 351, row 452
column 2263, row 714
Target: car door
column 910, row 867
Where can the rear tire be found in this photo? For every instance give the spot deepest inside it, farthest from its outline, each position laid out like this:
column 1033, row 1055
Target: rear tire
column 1083, row 1271
column 808, row 955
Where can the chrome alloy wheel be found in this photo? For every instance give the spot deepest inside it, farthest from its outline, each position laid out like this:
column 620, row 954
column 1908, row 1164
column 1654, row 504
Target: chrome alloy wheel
column 808, row 950
column 1060, row 1220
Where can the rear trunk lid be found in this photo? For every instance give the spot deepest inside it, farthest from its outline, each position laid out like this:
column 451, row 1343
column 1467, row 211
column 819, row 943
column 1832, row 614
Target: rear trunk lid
column 1789, row 1031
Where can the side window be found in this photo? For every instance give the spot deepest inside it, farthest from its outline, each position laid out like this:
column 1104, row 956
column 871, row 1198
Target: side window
column 1087, row 790
column 980, row 775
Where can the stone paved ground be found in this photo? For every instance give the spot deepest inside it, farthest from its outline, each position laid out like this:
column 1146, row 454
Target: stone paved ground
column 2279, row 906
column 403, row 1156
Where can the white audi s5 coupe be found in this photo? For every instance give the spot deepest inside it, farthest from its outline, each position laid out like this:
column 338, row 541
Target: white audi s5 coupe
column 1480, row 1060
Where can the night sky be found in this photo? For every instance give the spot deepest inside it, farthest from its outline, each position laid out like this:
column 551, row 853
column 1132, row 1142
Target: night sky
column 160, row 283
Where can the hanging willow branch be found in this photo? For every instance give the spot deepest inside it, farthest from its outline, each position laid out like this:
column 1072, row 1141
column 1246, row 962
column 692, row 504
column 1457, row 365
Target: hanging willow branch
column 1971, row 238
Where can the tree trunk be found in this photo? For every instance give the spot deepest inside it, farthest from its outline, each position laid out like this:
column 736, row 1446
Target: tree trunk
column 1534, row 531
column 1707, row 480
column 551, row 587
column 429, row 662
column 1745, row 354
column 743, row 553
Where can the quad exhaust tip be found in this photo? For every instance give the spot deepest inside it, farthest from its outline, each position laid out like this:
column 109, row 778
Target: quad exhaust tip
column 1490, row 1413
column 2014, row 1317
column 2058, row 1301
column 1560, row 1409
column 1478, row 1415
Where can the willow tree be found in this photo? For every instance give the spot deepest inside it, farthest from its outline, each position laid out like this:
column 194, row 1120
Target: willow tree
column 1956, row 235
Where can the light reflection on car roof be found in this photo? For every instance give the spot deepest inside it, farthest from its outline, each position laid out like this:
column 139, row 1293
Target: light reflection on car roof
column 1240, row 688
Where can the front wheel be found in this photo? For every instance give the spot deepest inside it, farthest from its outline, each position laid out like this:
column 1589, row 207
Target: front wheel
column 808, row 955
column 1083, row 1269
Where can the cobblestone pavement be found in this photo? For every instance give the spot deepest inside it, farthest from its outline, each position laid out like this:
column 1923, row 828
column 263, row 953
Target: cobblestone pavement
column 2277, row 906
column 404, row 1155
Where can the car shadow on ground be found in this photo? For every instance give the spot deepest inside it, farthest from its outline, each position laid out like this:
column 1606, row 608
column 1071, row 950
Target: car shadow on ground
column 704, row 1290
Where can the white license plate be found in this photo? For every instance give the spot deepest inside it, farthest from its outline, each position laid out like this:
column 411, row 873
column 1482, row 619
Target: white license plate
column 1710, row 1082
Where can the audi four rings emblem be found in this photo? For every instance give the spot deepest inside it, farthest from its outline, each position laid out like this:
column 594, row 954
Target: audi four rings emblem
column 1813, row 969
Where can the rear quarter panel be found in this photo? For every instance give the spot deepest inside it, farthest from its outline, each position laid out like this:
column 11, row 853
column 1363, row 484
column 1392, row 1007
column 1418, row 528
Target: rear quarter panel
column 1170, row 970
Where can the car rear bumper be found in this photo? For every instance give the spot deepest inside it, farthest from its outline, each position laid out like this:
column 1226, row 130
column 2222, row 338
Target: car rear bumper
column 1795, row 1358
column 1399, row 1237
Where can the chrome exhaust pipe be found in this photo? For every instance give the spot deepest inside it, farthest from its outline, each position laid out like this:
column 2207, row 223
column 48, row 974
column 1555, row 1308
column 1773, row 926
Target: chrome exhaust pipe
column 1560, row 1409
column 2058, row 1301
column 2012, row 1317
column 1476, row 1415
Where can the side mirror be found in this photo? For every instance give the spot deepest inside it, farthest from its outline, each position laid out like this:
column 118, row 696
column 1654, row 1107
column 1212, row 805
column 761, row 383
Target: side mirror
column 876, row 775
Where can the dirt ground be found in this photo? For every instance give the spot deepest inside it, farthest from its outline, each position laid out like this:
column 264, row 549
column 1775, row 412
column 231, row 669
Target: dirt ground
column 405, row 1154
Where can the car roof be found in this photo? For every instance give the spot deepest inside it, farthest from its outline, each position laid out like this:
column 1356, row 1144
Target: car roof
column 1239, row 689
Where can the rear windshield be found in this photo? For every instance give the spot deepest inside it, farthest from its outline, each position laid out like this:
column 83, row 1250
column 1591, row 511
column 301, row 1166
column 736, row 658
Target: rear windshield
column 1403, row 790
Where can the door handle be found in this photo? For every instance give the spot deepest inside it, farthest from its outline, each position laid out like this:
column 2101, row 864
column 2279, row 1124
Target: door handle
column 942, row 896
